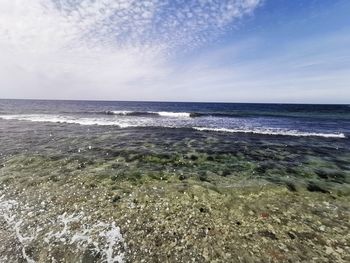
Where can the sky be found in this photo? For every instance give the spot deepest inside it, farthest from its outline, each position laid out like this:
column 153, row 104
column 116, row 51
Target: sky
column 282, row 51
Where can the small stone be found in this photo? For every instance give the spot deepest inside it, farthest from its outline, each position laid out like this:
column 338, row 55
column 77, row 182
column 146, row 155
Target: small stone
column 225, row 173
column 291, row 235
column 291, row 187
column 116, row 198
column 264, row 215
column 182, row 177
column 204, row 210
column 278, row 220
column 268, row 234
column 312, row 187
column 91, row 257
column 210, row 158
column 193, row 157
column 329, row 250
column 340, row 250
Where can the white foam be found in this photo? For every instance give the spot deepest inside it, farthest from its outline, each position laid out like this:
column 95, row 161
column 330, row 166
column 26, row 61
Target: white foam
column 66, row 119
column 101, row 121
column 182, row 121
column 105, row 238
column 101, row 237
column 125, row 112
column 159, row 113
column 8, row 213
column 174, row 114
column 274, row 132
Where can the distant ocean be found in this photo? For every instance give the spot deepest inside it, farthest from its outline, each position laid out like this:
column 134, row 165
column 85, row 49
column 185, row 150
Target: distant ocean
column 331, row 121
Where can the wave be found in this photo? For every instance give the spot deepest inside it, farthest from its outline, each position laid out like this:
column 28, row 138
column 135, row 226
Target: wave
column 187, row 114
column 125, row 123
column 130, row 113
column 150, row 113
column 175, row 114
column 273, row 132
column 64, row 119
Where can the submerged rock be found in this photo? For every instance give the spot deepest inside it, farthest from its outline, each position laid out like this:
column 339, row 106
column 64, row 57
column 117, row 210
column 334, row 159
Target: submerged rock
column 291, row 187
column 182, row 177
column 331, row 175
column 116, row 198
column 91, row 257
column 291, row 235
column 268, row 234
column 312, row 187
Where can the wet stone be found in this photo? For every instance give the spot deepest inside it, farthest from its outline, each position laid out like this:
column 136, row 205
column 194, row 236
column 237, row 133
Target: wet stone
column 331, row 175
column 210, row 158
column 114, row 178
column 193, row 157
column 291, row 187
column 225, row 173
column 203, row 178
column 182, row 177
column 268, row 234
column 204, row 210
column 90, row 257
column 306, row 235
column 312, row 187
column 116, row 198
column 291, row 235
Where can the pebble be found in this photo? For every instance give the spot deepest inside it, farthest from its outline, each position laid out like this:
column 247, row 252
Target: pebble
column 329, row 250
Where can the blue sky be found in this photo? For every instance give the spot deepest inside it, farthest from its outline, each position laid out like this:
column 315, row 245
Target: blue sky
column 197, row 50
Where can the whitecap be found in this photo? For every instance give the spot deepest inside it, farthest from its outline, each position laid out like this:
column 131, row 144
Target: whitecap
column 273, row 132
column 174, row 114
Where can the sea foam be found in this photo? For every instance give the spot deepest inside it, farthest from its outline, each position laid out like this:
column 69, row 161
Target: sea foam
column 150, row 113
column 100, row 237
column 273, row 132
column 181, row 120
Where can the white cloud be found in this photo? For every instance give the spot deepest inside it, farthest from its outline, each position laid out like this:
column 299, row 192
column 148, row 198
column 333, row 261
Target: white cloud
column 102, row 49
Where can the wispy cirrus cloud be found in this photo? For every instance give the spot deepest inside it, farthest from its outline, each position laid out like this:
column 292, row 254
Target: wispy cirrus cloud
column 102, row 49
column 308, row 70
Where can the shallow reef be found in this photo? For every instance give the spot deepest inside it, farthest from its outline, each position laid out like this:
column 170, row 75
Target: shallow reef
column 72, row 194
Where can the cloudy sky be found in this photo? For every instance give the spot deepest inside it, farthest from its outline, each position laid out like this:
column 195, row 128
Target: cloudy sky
column 176, row 50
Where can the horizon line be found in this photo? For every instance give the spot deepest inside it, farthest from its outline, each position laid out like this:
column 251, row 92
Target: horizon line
column 170, row 101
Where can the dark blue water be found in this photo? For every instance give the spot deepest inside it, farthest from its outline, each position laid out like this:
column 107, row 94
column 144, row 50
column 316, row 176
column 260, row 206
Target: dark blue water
column 266, row 119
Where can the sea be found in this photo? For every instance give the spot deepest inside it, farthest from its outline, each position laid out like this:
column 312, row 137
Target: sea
column 116, row 181
column 328, row 121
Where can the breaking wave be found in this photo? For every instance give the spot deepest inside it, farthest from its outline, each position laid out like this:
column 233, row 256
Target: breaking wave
column 273, row 132
column 151, row 113
column 172, row 120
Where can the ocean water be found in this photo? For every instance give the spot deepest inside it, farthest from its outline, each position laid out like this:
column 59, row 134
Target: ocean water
column 85, row 181
column 302, row 144
column 266, row 119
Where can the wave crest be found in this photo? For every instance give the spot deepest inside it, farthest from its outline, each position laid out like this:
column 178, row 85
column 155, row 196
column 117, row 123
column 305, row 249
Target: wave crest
column 150, row 113
column 273, row 132
column 180, row 121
